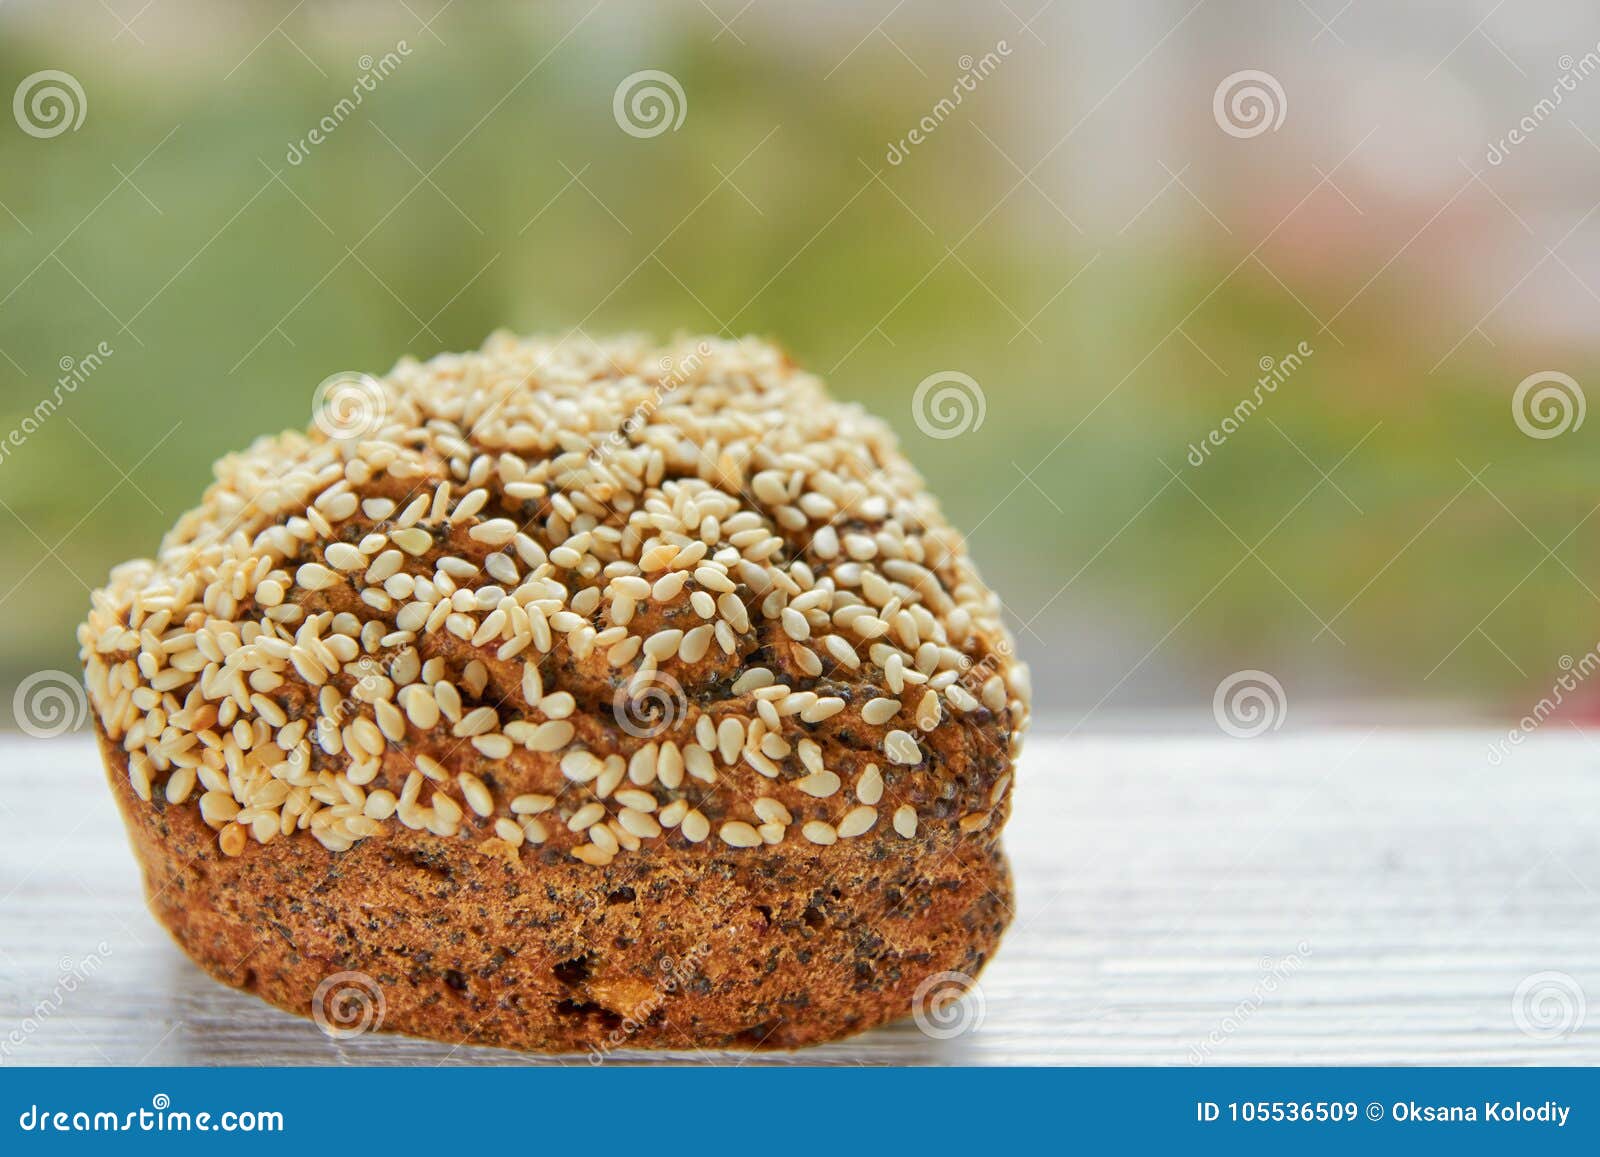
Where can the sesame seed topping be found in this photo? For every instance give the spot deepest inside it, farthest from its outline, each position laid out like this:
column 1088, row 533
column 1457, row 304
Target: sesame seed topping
column 531, row 518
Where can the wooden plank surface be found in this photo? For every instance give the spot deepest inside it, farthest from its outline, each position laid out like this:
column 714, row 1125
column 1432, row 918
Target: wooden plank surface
column 1340, row 896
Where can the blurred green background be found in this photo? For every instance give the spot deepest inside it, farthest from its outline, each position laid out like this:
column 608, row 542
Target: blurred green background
column 1079, row 235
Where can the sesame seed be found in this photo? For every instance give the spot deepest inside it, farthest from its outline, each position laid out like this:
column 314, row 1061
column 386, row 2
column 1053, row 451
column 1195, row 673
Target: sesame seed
column 495, row 532
column 670, row 765
column 737, row 834
column 714, row 579
column 476, row 794
column 493, row 746
column 413, row 540
column 343, row 556
column 960, row 698
column 820, row 784
column 810, row 754
column 824, row 708
column 420, row 707
column 752, row 679
column 314, row 577
column 379, row 805
column 730, row 739
column 217, row 808
column 551, row 735
column 471, row 502
column 668, row 587
column 581, row 766
column 877, row 712
column 820, row 833
column 869, row 786
column 638, row 823
column 663, row 644
column 696, row 642
column 905, row 820
column 699, row 764
column 857, row 821
column 642, row 765
column 761, row 763
column 610, row 775
column 695, row 827
column 901, row 747
column 446, row 808
column 638, row 800
column 593, row 855
column 795, row 625
column 772, row 811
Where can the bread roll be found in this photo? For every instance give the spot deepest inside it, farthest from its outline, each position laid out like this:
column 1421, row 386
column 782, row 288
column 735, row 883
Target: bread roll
column 568, row 696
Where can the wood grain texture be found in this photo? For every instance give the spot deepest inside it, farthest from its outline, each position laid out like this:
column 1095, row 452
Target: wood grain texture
column 1341, row 896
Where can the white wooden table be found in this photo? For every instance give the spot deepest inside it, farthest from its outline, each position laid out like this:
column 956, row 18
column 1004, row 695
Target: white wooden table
column 1340, row 896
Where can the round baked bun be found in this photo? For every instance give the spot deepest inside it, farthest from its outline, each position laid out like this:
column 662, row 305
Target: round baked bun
column 569, row 695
